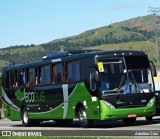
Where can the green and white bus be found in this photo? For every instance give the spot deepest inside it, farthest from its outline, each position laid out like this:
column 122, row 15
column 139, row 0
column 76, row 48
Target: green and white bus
column 88, row 85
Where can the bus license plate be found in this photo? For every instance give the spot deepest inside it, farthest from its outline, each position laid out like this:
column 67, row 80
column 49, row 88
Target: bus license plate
column 132, row 115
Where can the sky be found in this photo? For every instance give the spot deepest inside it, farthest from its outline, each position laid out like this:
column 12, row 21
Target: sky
column 25, row 22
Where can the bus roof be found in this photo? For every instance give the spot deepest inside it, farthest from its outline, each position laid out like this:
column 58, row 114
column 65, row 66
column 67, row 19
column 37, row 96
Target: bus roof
column 71, row 55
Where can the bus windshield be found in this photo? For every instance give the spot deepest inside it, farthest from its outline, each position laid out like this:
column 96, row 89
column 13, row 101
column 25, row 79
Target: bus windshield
column 125, row 75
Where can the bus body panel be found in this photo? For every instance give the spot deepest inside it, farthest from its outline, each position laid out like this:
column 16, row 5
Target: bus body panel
column 65, row 110
column 11, row 113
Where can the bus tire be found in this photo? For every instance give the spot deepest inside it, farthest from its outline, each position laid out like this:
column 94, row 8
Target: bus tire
column 82, row 116
column 149, row 118
column 26, row 121
column 129, row 121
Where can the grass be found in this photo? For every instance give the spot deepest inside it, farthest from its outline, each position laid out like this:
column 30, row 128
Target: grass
column 143, row 22
column 3, row 63
column 99, row 34
column 146, row 46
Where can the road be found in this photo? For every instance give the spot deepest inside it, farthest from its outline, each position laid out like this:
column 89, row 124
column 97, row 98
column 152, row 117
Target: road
column 107, row 128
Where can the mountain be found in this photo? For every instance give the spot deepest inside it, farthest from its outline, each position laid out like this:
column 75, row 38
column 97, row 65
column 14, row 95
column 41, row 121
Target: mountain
column 135, row 33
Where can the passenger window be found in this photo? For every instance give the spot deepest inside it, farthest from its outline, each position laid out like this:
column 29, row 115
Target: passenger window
column 58, row 73
column 63, row 73
column 6, row 79
column 12, row 79
column 77, row 71
column 27, row 77
column 73, row 69
column 53, row 74
column 21, row 78
column 32, row 77
column 70, row 72
column 45, row 75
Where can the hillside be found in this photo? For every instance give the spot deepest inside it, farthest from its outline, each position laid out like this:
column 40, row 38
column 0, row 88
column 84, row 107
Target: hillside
column 134, row 33
column 142, row 23
column 146, row 46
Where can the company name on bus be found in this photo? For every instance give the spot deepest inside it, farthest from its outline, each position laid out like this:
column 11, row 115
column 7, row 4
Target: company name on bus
column 34, row 97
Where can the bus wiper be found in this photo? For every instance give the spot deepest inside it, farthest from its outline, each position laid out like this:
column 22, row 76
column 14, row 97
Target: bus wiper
column 120, row 91
column 125, row 82
column 121, row 82
column 136, row 84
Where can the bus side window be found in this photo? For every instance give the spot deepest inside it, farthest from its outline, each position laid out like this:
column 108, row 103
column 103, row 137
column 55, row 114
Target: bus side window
column 63, row 73
column 58, row 73
column 24, row 76
column 20, row 78
column 45, row 75
column 37, row 75
column 77, row 71
column 70, row 73
column 16, row 80
column 32, row 76
column 73, row 69
column 6, row 79
column 12, row 79
column 53, row 73
column 27, row 77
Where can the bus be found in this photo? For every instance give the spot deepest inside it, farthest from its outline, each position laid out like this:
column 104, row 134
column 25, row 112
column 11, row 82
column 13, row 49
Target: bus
column 91, row 85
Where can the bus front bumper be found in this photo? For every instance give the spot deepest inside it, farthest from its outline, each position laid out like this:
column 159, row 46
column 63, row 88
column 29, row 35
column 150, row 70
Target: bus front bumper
column 122, row 113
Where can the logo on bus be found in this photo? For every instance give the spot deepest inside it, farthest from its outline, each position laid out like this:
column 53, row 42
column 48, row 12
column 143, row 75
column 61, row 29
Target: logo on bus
column 120, row 102
column 30, row 96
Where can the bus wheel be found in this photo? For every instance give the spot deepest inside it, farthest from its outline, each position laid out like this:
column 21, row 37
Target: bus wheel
column 25, row 119
column 82, row 116
column 149, row 118
column 129, row 121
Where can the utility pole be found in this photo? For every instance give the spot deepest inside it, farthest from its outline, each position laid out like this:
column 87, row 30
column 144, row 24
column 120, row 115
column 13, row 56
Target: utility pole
column 156, row 11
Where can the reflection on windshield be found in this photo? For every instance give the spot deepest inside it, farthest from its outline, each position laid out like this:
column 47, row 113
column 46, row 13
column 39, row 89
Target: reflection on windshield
column 116, row 79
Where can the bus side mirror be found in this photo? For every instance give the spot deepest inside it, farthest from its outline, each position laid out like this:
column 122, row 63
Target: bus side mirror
column 153, row 68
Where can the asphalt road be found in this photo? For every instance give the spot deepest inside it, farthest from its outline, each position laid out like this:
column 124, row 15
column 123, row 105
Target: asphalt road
column 107, row 128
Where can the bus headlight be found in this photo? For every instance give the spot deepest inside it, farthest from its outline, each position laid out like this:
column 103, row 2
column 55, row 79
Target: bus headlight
column 151, row 101
column 108, row 104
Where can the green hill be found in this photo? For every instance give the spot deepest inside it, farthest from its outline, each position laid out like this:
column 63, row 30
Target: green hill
column 146, row 46
column 135, row 33
column 142, row 23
